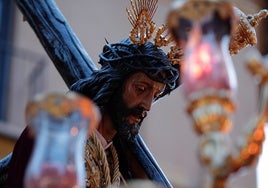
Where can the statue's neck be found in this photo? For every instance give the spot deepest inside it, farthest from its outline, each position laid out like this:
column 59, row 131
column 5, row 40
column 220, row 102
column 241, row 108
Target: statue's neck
column 106, row 127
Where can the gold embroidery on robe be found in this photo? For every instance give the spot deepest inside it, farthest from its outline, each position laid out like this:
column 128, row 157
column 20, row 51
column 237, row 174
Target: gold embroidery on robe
column 102, row 166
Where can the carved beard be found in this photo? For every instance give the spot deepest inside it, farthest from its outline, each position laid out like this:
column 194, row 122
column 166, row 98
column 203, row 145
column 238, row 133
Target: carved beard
column 125, row 130
column 118, row 111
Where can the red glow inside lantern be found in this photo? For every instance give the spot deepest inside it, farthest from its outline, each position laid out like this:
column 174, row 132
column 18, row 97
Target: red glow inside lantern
column 207, row 64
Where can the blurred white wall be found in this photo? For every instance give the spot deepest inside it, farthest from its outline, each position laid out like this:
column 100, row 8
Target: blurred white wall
column 167, row 130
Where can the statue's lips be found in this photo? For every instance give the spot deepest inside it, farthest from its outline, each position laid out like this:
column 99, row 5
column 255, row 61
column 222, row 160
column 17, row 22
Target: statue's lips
column 133, row 119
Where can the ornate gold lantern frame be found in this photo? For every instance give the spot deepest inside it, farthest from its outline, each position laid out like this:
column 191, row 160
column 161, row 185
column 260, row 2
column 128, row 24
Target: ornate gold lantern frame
column 210, row 107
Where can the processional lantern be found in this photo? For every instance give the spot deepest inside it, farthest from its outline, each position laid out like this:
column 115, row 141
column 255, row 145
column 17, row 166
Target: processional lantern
column 60, row 124
column 208, row 32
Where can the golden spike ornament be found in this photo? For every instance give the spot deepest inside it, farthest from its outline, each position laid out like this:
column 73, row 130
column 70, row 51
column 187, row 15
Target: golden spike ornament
column 140, row 16
column 164, row 38
column 175, row 55
column 245, row 34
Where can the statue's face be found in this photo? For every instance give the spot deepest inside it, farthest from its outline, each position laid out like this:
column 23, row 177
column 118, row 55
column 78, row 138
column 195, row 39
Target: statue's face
column 129, row 106
column 139, row 91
